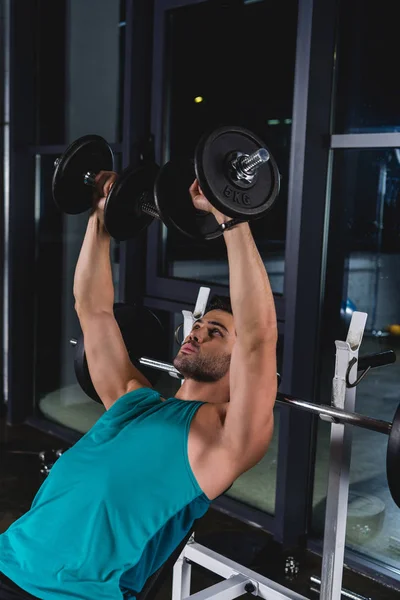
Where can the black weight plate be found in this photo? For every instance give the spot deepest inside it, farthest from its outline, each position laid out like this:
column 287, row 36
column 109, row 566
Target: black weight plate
column 143, row 335
column 88, row 153
column 123, row 217
column 393, row 458
column 174, row 203
column 212, row 170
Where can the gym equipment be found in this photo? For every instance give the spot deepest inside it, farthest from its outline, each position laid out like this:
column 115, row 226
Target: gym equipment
column 142, row 332
column 126, row 211
column 315, row 585
column 47, row 459
column 174, row 204
column 346, row 310
column 74, row 179
column 155, row 581
column 236, row 173
column 365, row 517
column 393, row 458
column 76, row 170
column 234, row 169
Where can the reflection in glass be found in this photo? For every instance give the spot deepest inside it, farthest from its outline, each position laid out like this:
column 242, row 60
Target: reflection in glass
column 230, row 79
column 79, row 68
column 59, row 239
column 366, row 199
column 368, row 89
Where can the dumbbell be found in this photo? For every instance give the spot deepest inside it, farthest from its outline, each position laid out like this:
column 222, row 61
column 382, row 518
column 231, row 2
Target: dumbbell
column 237, row 174
column 235, row 171
column 74, row 180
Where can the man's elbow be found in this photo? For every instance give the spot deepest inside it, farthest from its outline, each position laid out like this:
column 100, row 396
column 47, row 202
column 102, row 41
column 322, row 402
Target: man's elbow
column 267, row 334
column 86, row 309
column 82, row 310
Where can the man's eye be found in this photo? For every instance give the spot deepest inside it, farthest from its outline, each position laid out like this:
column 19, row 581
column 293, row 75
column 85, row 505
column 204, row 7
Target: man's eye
column 216, row 331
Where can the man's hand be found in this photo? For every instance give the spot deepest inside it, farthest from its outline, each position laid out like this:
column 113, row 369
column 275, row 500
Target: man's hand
column 200, row 202
column 103, row 182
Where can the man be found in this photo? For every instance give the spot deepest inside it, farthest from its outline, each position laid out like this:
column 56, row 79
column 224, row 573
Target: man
column 117, row 503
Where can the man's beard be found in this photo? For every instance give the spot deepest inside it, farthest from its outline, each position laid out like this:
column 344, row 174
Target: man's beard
column 202, row 369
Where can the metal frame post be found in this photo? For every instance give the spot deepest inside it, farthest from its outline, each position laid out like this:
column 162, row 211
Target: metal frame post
column 181, row 578
column 200, row 308
column 344, row 397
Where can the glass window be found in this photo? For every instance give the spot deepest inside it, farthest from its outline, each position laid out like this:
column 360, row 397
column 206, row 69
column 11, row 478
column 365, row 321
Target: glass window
column 79, row 69
column 365, row 197
column 59, row 239
column 230, row 65
column 368, row 89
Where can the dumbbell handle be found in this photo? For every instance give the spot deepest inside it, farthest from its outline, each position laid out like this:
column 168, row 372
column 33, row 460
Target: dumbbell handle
column 245, row 167
column 147, row 206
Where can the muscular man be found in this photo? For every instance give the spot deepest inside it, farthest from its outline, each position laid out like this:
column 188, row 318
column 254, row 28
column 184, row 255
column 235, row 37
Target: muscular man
column 118, row 502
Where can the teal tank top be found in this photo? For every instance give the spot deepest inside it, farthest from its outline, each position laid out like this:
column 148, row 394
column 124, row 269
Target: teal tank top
column 113, row 507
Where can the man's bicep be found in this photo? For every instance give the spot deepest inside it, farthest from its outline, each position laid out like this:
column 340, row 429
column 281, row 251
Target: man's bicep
column 110, row 368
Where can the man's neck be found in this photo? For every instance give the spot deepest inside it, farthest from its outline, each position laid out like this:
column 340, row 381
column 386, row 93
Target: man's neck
column 216, row 392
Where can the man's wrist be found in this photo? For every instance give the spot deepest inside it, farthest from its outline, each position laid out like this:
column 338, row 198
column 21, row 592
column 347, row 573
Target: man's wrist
column 221, row 218
column 98, row 224
column 227, row 223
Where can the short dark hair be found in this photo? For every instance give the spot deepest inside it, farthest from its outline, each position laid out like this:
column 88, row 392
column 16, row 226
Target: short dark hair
column 220, row 303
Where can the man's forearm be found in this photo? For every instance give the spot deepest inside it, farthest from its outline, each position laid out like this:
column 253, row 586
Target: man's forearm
column 251, row 295
column 93, row 284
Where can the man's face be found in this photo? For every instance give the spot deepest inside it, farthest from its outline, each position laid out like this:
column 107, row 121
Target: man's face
column 205, row 354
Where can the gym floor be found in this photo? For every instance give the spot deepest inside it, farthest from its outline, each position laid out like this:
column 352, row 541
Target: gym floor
column 20, row 480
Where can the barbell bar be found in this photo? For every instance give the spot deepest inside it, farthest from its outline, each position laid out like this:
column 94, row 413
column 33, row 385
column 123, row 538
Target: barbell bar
column 338, row 415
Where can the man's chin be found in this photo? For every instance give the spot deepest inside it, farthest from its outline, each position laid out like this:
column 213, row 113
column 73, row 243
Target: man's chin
column 184, row 364
column 178, row 362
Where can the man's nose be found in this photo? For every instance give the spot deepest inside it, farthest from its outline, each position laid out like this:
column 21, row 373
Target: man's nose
column 197, row 336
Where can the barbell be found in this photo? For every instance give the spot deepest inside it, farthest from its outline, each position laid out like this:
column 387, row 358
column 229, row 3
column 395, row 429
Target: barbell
column 140, row 328
column 235, row 170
